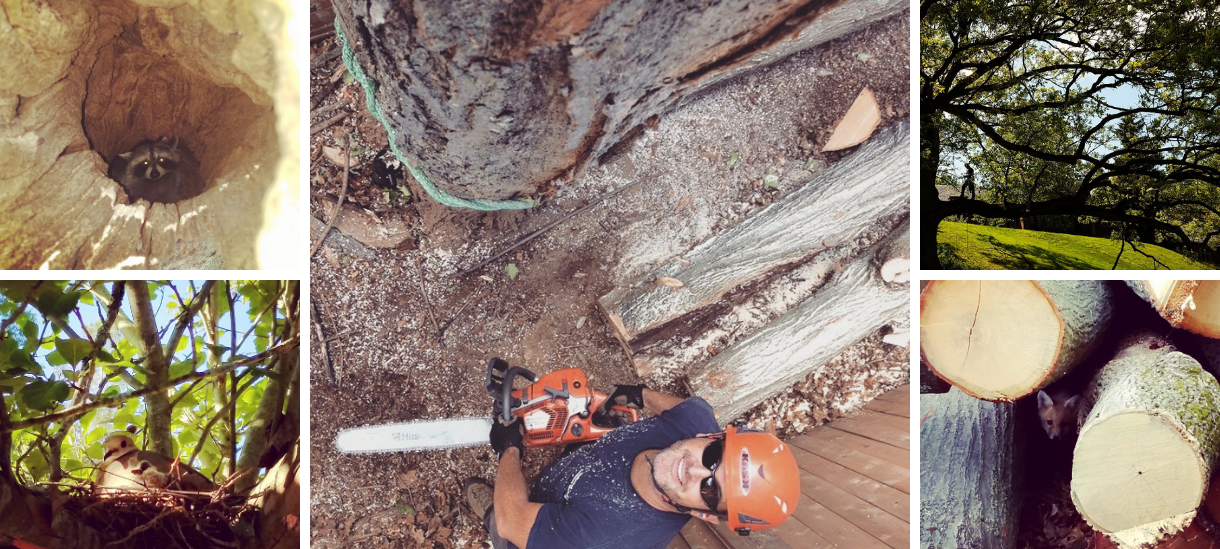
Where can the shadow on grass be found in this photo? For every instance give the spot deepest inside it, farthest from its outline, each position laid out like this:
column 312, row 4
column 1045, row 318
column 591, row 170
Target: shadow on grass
column 1014, row 256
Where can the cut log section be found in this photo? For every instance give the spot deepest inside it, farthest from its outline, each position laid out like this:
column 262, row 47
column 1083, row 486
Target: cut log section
column 1192, row 305
column 1002, row 340
column 969, row 472
column 844, row 211
column 1148, row 442
column 853, row 305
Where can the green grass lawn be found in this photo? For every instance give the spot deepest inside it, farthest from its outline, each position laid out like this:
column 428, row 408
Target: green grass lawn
column 980, row 247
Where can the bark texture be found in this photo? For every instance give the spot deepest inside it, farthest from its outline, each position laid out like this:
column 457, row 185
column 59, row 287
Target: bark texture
column 853, row 305
column 496, row 99
column 771, row 261
column 970, row 484
column 1148, row 440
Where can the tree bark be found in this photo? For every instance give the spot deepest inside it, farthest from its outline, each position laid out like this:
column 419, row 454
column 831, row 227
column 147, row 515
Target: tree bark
column 156, row 361
column 28, row 519
column 278, row 498
column 970, row 482
column 853, row 305
column 827, row 222
column 1148, row 441
column 495, row 99
column 1002, row 340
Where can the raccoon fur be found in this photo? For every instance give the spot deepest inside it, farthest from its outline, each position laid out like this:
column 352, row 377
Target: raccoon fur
column 162, row 171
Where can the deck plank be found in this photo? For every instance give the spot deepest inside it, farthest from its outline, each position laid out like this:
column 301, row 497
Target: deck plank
column 880, row 462
column 835, row 529
column 881, row 495
column 890, row 407
column 892, row 430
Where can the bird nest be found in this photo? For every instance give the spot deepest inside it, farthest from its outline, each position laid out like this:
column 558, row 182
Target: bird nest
column 164, row 519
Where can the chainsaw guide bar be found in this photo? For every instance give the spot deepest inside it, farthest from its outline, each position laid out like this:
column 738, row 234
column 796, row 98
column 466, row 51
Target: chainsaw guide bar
column 414, row 436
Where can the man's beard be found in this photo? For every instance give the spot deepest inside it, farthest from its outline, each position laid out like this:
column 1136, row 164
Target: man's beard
column 663, row 471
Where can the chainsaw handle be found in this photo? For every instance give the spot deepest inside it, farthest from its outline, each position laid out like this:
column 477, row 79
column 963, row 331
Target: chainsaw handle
column 504, row 385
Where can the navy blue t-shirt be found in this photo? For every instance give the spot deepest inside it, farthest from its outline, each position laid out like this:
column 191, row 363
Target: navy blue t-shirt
column 588, row 501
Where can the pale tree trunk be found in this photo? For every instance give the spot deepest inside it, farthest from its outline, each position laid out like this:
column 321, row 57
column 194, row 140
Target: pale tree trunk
column 1002, row 340
column 970, row 472
column 804, row 235
column 1148, row 441
column 495, row 99
column 855, row 304
column 156, row 361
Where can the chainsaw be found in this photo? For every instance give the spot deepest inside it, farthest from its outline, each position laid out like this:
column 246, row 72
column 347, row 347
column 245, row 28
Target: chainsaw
column 556, row 409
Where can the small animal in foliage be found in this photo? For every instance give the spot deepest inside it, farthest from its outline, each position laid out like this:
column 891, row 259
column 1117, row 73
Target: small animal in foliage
column 1057, row 413
column 162, row 171
column 126, row 467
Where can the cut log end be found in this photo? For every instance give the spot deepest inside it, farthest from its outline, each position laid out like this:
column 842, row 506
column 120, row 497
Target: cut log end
column 997, row 340
column 1135, row 468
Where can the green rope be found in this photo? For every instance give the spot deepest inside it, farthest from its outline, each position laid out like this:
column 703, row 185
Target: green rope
column 370, row 86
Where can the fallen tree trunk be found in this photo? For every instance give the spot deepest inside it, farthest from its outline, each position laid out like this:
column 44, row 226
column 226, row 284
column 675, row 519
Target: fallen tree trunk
column 1148, row 441
column 494, row 99
column 970, row 484
column 817, row 228
column 1002, row 340
column 1192, row 305
column 853, row 305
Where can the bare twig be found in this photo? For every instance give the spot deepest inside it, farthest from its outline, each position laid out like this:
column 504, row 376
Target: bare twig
column 469, row 299
column 141, row 528
column 321, row 59
column 328, row 123
column 334, row 213
column 419, row 269
column 551, row 225
column 317, row 327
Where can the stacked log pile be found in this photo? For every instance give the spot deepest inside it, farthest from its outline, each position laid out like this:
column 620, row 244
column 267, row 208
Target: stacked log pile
column 1148, row 418
column 762, row 304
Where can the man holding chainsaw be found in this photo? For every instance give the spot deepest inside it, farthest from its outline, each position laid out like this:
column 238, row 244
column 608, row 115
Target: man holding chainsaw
column 638, row 485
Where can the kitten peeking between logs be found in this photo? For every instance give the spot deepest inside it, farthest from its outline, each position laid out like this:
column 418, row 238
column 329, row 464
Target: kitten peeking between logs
column 162, row 171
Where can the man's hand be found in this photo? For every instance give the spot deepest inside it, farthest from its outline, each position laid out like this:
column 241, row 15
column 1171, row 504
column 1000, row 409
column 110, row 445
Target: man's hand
column 626, row 395
column 508, row 436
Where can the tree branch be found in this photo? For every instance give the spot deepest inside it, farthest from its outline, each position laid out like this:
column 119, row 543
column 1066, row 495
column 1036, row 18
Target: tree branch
column 286, row 346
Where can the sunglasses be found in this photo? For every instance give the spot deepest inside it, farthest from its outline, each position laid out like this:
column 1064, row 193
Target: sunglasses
column 711, row 460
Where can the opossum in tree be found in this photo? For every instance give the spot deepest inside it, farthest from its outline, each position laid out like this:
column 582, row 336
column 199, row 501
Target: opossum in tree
column 163, row 171
column 1057, row 413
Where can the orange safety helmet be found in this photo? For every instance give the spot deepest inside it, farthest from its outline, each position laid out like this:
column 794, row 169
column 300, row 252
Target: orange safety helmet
column 762, row 482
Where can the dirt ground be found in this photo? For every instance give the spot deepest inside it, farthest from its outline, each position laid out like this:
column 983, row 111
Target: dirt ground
column 381, row 309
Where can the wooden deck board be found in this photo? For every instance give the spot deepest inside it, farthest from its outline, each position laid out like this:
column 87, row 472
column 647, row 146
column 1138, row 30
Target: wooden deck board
column 892, row 430
column 884, row 496
column 855, row 487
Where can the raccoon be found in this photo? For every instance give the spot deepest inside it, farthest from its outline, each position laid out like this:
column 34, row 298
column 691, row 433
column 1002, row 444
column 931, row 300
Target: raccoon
column 162, row 171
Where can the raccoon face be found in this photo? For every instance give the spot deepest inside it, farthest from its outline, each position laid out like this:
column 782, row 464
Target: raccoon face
column 152, row 161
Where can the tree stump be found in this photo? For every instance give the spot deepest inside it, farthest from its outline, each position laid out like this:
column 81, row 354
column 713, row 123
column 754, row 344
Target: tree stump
column 1192, row 305
column 1002, row 340
column 1148, row 441
column 494, row 99
column 970, row 484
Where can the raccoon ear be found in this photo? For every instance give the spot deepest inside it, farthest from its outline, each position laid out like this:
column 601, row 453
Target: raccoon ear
column 126, row 155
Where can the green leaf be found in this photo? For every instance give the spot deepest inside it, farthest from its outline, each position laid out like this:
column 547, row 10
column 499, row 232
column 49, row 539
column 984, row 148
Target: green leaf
column 218, row 350
column 512, row 271
column 122, row 419
column 95, row 451
column 96, row 435
column 106, row 357
column 54, row 358
column 73, row 349
column 771, row 181
column 8, row 347
column 29, row 329
column 734, row 160
column 43, row 395
column 23, row 360
column 179, row 369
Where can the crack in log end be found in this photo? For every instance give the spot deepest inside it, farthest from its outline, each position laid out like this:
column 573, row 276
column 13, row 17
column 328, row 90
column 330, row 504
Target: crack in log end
column 978, row 304
column 781, row 28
